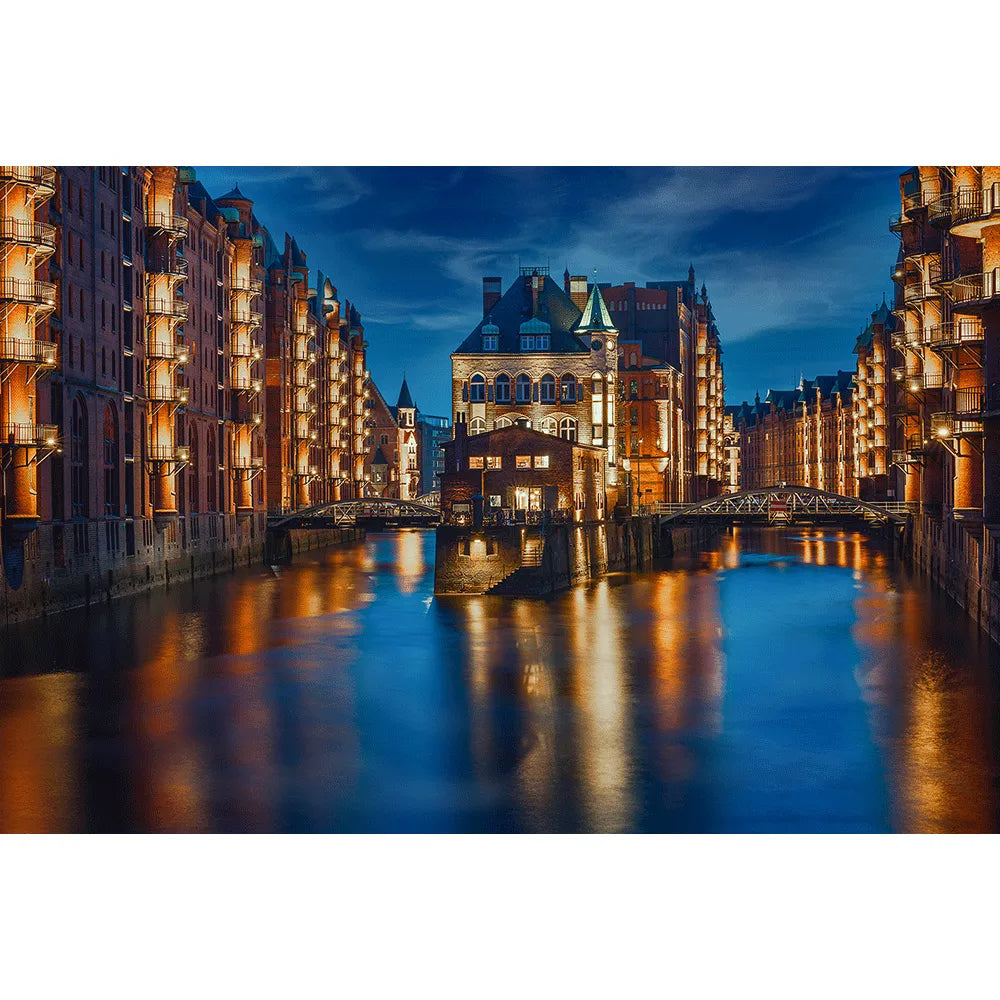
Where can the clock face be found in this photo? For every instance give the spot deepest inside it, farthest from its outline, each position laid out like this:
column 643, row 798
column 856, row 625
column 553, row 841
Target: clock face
column 595, row 345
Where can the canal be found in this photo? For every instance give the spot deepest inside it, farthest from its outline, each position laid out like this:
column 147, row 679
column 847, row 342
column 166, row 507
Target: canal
column 784, row 681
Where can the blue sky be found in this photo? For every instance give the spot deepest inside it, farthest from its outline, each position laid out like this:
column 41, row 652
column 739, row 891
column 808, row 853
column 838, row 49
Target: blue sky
column 795, row 259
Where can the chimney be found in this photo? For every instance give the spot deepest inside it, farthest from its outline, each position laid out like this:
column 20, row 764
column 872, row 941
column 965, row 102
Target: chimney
column 491, row 294
column 578, row 290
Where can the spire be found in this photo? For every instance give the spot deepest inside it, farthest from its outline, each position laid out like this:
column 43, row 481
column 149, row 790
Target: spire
column 595, row 313
column 691, row 274
column 405, row 400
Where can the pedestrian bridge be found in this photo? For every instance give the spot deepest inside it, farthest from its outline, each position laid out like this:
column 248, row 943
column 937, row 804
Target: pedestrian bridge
column 374, row 513
column 782, row 504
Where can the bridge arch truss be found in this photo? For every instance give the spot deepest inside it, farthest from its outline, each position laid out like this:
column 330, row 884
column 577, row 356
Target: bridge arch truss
column 364, row 510
column 783, row 503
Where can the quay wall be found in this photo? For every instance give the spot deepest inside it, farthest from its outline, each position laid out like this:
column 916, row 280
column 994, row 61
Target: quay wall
column 963, row 560
column 489, row 559
column 77, row 565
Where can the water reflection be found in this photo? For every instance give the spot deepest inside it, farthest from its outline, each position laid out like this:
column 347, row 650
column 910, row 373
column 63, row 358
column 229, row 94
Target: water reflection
column 783, row 680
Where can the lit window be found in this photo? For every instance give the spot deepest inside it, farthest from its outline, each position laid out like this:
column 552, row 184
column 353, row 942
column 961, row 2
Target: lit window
column 493, row 462
column 550, row 425
column 541, row 461
column 567, row 428
column 523, row 462
column 477, row 425
column 475, row 462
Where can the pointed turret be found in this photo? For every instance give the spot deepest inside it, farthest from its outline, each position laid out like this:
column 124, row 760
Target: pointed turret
column 405, row 400
column 596, row 317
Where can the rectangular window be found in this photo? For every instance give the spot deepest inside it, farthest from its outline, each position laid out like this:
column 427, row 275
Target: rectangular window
column 541, row 461
column 475, row 462
column 537, row 342
column 491, row 342
column 523, row 462
column 493, row 462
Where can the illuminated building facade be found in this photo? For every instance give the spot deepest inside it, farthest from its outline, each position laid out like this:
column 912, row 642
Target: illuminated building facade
column 730, row 450
column 947, row 377
column 521, row 472
column 669, row 338
column 636, row 371
column 166, row 378
column 874, row 406
column 802, row 436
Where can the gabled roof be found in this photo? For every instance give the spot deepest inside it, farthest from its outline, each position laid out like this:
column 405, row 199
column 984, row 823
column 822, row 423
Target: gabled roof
column 595, row 314
column 405, row 399
column 555, row 308
column 380, row 458
column 235, row 195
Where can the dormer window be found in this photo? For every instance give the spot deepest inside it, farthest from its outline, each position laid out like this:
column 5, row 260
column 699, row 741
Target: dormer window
column 491, row 337
column 535, row 335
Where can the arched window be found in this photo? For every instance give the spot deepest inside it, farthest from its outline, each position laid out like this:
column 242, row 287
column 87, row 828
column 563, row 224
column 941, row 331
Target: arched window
column 522, row 388
column 79, row 460
column 567, row 428
column 567, row 388
column 211, row 470
column 477, row 426
column 478, row 394
column 111, row 490
column 597, row 385
column 193, row 470
column 502, row 422
column 548, row 394
column 503, row 388
column 550, row 425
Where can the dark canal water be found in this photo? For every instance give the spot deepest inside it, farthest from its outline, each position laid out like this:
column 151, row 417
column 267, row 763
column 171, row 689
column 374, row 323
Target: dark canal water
column 784, row 681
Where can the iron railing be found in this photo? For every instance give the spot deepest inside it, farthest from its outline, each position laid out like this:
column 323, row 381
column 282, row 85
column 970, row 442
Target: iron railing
column 167, row 222
column 29, row 435
column 28, row 351
column 27, row 231
column 174, row 308
column 964, row 331
column 252, row 285
column 36, row 177
column 26, row 291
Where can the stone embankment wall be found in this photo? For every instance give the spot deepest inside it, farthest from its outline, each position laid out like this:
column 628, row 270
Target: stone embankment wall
column 63, row 572
column 470, row 561
column 962, row 560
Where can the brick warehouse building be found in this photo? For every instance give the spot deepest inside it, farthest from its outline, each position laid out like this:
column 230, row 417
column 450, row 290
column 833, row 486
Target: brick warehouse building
column 558, row 359
column 519, row 471
column 135, row 319
column 802, row 436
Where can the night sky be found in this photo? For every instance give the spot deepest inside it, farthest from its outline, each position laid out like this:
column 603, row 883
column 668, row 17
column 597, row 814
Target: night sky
column 795, row 259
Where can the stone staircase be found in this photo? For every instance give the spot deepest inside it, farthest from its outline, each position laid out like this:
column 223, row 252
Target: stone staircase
column 526, row 578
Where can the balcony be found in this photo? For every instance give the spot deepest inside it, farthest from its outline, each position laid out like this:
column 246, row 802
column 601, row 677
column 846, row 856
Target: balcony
column 28, row 351
column 172, row 265
column 956, row 334
column 939, row 210
column 165, row 350
column 42, row 180
column 14, row 435
column 973, row 292
column 243, row 464
column 175, row 454
column 253, row 385
column 175, row 226
column 27, row 232
column 924, row 380
column 39, row 295
column 176, row 394
column 241, row 349
column 973, row 208
column 251, row 285
column 903, row 339
column 173, row 308
column 247, row 317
